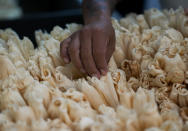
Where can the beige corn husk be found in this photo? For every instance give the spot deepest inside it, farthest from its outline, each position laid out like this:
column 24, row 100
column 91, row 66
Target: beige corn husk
column 155, row 17
column 74, row 94
column 58, row 108
column 184, row 113
column 129, row 119
column 6, row 68
column 182, row 96
column 106, row 88
column 185, row 128
column 61, row 80
column 145, row 88
column 38, row 98
column 10, row 97
column 77, row 111
column 23, row 114
column 90, row 92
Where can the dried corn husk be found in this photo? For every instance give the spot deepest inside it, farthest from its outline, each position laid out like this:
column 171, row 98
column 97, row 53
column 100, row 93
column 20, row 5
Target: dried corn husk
column 90, row 92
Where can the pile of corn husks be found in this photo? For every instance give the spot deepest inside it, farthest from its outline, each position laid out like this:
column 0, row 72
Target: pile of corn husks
column 144, row 90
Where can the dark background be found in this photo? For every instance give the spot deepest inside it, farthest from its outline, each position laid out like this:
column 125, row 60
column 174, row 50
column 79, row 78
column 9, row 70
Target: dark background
column 35, row 6
column 45, row 14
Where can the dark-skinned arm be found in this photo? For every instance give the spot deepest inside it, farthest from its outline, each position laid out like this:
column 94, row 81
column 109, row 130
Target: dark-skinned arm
column 186, row 11
column 97, row 9
column 90, row 48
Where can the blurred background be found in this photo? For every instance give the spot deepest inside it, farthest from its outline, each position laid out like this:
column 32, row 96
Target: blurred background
column 11, row 9
column 26, row 16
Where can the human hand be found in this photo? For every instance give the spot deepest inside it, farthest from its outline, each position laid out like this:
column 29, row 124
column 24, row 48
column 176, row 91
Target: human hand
column 90, row 48
column 186, row 11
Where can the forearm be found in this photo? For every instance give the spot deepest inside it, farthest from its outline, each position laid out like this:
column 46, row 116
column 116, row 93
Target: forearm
column 95, row 10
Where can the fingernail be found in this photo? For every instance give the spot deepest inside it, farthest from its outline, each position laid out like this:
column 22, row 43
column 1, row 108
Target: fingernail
column 103, row 72
column 66, row 60
column 82, row 70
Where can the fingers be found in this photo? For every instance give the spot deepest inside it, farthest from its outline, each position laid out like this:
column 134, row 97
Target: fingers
column 74, row 52
column 110, row 47
column 86, row 54
column 89, row 50
column 64, row 50
column 99, row 52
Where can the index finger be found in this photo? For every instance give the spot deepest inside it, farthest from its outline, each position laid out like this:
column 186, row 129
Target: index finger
column 64, row 50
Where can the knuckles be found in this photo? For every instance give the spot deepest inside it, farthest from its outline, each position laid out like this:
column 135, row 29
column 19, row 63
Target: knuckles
column 98, row 30
column 73, row 49
column 85, row 31
column 105, row 32
column 99, row 52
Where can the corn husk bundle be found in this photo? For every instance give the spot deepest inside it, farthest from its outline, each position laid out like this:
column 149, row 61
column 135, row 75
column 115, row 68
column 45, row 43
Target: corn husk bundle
column 144, row 90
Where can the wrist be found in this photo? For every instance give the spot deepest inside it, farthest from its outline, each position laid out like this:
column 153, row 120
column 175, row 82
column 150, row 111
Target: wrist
column 101, row 17
column 96, row 11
